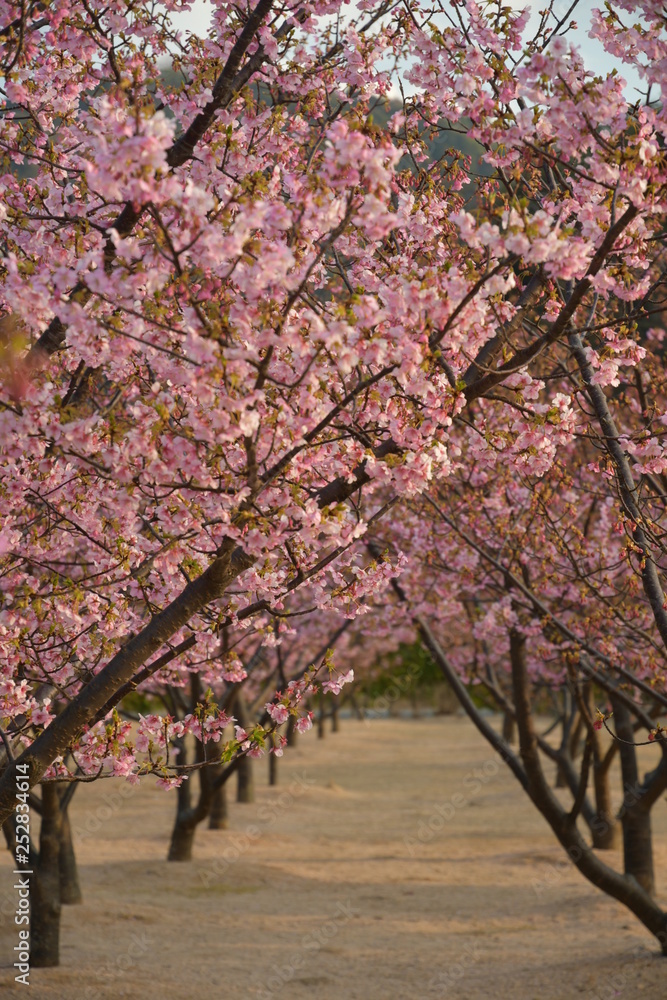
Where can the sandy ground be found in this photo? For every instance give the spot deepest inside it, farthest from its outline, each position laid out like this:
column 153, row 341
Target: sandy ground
column 396, row 860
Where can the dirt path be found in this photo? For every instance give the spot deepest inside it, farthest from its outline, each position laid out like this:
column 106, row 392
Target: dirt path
column 395, row 861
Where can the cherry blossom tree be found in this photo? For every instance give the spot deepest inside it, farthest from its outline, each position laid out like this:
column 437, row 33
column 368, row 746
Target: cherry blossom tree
column 272, row 656
column 242, row 323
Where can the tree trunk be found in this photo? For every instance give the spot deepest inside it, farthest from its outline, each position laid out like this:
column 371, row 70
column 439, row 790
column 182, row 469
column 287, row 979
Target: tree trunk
column 629, row 891
column 509, row 727
column 529, row 773
column 45, row 889
column 219, row 816
column 635, row 819
column 292, row 732
column 70, row 889
column 335, row 721
column 183, row 832
column 604, row 828
column 188, row 817
column 572, row 778
column 245, row 786
column 576, row 737
column 320, row 717
column 561, row 778
column 638, row 847
column 273, row 769
column 182, row 839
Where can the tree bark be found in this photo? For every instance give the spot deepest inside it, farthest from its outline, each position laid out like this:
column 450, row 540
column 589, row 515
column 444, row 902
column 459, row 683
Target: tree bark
column 561, row 777
column 186, row 821
column 509, row 727
column 273, row 769
column 245, row 785
column 45, row 905
column 70, row 888
column 335, row 720
column 638, row 847
column 219, row 815
column 635, row 818
column 565, row 769
column 605, row 827
column 529, row 772
column 621, row 887
column 188, row 817
column 577, row 737
column 102, row 690
column 182, row 840
column 292, row 732
column 321, row 733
